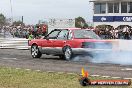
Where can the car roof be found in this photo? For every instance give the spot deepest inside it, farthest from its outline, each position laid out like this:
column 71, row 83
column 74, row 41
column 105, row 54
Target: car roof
column 68, row 28
column 73, row 28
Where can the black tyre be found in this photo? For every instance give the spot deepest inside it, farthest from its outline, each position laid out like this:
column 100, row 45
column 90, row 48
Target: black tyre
column 35, row 52
column 68, row 53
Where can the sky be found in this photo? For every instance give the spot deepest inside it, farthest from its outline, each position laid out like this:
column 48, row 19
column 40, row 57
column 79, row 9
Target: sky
column 34, row 10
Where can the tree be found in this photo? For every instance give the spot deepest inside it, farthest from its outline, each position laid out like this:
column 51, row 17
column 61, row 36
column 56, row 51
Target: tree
column 80, row 22
column 18, row 23
column 2, row 20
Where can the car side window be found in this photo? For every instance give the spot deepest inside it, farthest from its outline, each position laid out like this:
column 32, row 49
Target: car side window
column 53, row 34
column 63, row 35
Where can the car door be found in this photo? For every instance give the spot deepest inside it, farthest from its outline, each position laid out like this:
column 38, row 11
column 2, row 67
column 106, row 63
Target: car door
column 48, row 43
column 61, row 40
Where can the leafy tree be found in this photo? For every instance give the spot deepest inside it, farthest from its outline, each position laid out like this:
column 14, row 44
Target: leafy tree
column 2, row 19
column 18, row 23
column 80, row 22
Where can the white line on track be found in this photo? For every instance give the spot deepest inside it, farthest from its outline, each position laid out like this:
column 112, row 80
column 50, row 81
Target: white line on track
column 105, row 76
column 116, row 77
column 128, row 78
column 27, row 69
column 5, row 58
column 80, row 74
column 71, row 73
column 60, row 72
column 18, row 68
column 95, row 75
column 127, row 69
column 37, row 70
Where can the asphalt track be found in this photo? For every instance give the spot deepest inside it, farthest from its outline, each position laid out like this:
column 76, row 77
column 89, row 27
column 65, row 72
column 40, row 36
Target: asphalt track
column 22, row 59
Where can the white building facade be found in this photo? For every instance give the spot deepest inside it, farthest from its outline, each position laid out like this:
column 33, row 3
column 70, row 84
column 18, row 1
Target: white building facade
column 112, row 12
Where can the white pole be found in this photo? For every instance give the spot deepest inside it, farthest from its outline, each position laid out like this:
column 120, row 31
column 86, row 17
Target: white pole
column 11, row 12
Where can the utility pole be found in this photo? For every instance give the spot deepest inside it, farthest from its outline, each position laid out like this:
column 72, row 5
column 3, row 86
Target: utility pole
column 11, row 12
column 22, row 19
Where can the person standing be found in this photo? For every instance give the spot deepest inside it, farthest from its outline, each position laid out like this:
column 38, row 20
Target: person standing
column 30, row 37
column 116, row 33
column 126, row 32
column 44, row 30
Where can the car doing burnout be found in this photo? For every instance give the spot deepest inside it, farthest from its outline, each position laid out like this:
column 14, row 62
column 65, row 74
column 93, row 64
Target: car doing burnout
column 68, row 42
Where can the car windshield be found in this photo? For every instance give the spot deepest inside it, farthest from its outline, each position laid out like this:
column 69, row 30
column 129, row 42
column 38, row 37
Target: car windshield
column 85, row 34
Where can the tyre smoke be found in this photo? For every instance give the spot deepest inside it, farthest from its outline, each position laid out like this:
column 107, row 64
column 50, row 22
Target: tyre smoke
column 121, row 53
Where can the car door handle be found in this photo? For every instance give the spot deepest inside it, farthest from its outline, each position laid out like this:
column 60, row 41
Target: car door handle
column 64, row 41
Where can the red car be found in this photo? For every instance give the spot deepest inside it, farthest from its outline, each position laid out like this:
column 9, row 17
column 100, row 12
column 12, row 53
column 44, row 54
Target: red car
column 68, row 42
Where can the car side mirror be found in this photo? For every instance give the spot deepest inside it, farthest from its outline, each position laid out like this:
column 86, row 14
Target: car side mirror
column 47, row 38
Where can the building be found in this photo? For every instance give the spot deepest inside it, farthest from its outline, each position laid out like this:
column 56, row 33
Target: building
column 112, row 12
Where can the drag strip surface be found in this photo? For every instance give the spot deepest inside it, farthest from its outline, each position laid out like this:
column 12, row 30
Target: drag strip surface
column 22, row 59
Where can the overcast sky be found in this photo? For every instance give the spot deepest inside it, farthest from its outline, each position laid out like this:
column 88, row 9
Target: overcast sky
column 34, row 10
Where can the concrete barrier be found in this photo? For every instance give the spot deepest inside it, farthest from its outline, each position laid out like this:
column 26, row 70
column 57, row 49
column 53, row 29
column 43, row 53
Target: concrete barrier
column 122, row 45
column 13, row 43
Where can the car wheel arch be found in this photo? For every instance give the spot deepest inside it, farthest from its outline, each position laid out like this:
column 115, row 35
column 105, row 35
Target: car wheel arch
column 34, row 44
column 40, row 47
column 64, row 47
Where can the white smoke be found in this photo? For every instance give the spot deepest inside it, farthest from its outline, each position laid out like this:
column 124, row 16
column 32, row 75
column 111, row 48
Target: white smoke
column 121, row 53
column 122, row 57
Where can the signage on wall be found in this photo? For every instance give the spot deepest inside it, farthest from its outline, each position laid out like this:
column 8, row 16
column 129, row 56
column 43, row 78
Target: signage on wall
column 112, row 18
column 103, row 19
column 123, row 18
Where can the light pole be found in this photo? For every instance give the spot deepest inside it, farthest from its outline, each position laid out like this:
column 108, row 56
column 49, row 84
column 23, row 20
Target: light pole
column 11, row 12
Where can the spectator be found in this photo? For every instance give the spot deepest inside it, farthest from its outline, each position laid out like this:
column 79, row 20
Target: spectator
column 126, row 32
column 44, row 30
column 30, row 37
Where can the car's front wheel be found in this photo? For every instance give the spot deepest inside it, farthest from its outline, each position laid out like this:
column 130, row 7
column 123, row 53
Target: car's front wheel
column 68, row 53
column 35, row 51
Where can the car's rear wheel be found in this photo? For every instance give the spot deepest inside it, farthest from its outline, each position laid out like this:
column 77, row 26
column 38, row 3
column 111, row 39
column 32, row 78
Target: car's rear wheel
column 35, row 52
column 68, row 53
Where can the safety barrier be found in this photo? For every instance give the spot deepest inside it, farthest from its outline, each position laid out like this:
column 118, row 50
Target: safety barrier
column 21, row 43
column 13, row 43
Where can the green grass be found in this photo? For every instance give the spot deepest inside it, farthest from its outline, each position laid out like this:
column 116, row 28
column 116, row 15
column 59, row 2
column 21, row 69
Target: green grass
column 12, row 78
